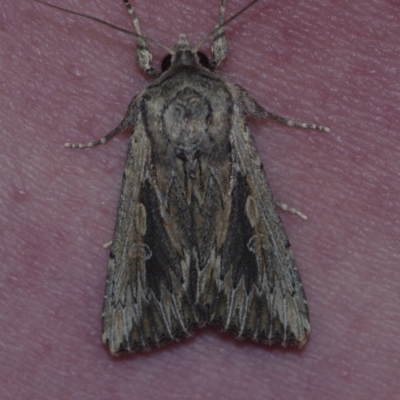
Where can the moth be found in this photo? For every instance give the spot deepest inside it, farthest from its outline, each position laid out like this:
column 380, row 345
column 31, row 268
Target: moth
column 198, row 239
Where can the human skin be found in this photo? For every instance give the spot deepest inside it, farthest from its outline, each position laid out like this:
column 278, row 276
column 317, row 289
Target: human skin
column 64, row 78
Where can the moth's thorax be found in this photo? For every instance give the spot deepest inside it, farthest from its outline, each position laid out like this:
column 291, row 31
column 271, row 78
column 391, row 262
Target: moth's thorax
column 188, row 115
column 186, row 120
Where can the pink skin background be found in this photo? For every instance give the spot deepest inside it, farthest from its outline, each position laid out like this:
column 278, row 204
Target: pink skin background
column 65, row 78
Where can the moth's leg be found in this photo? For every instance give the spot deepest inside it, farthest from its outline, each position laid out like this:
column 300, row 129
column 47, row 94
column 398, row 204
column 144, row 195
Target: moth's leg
column 95, row 142
column 143, row 55
column 128, row 122
column 253, row 109
column 292, row 210
column 289, row 122
column 220, row 45
column 107, row 245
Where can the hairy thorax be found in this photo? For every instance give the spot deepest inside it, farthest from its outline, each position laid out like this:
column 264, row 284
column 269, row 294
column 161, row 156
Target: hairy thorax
column 189, row 119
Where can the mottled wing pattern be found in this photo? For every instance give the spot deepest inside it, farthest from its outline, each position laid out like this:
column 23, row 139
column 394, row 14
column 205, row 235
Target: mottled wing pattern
column 146, row 300
column 260, row 295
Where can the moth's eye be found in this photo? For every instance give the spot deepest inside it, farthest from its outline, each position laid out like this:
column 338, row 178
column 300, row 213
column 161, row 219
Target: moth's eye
column 166, row 62
column 203, row 59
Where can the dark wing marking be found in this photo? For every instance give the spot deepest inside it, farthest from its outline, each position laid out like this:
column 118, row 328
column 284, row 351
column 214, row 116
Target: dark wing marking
column 146, row 300
column 260, row 292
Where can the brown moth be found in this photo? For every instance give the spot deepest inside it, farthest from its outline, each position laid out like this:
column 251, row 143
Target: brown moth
column 198, row 239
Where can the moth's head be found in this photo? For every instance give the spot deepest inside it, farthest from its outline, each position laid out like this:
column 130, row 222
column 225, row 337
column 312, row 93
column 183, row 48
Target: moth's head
column 184, row 54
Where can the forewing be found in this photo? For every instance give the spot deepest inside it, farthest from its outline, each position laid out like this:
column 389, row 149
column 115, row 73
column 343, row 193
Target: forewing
column 146, row 300
column 260, row 295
